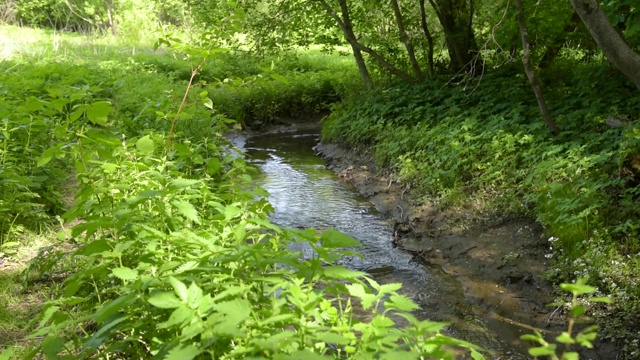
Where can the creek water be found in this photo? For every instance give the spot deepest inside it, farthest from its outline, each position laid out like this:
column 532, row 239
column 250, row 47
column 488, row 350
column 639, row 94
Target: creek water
column 305, row 194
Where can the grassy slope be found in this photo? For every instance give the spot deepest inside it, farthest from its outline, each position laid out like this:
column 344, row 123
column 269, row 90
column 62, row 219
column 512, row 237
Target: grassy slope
column 140, row 83
column 484, row 143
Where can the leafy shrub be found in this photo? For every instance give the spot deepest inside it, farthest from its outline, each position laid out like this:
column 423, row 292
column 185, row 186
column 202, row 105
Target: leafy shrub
column 488, row 142
column 171, row 254
column 176, row 265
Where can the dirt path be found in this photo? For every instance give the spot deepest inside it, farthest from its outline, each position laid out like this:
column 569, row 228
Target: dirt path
column 499, row 265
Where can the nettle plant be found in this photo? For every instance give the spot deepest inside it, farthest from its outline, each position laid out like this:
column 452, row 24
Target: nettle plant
column 565, row 342
column 174, row 258
column 35, row 118
column 177, row 260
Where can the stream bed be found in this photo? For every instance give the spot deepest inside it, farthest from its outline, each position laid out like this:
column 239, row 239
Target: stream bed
column 305, row 194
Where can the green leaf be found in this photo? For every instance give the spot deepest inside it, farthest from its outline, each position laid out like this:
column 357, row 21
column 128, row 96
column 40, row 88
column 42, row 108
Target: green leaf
column 476, row 355
column 267, row 224
column 194, row 296
column 187, row 210
column 125, row 273
column 333, row 338
column 578, row 289
column 382, row 321
column 565, row 338
column 208, row 103
column 577, row 310
column 389, row 288
column 164, row 300
column 240, row 232
column 530, row 337
column 235, row 311
column 109, row 168
column 181, row 183
column 300, row 354
column 7, row 354
column 231, row 211
column 180, row 288
column 46, row 316
column 182, row 352
column 213, row 166
column 47, row 155
column 400, row 302
column 94, row 247
column 570, row 356
column 393, row 355
column 231, row 291
column 145, row 145
column 339, row 272
column 10, row 244
column 178, row 317
column 111, row 307
column 356, row 290
column 279, row 78
column 51, row 346
column 332, row 238
column 276, row 319
column 606, row 300
column 543, row 350
column 99, row 337
column 97, row 113
column 188, row 266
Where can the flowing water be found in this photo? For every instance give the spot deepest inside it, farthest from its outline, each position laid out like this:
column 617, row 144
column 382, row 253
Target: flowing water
column 305, row 194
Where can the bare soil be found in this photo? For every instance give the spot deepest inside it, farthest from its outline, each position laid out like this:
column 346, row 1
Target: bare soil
column 499, row 261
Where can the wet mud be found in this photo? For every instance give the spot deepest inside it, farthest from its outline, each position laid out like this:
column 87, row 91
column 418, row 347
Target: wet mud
column 498, row 261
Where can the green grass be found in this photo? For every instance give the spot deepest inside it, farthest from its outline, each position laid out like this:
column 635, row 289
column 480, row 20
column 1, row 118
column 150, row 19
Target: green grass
column 22, row 300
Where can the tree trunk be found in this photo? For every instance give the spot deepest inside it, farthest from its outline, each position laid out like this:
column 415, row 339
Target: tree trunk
column 610, row 41
column 347, row 29
column 427, row 34
column 531, row 74
column 407, row 42
column 362, row 66
column 456, row 19
column 345, row 25
column 110, row 17
column 554, row 48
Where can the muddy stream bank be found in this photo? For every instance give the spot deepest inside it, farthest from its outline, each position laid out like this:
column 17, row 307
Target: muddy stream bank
column 484, row 280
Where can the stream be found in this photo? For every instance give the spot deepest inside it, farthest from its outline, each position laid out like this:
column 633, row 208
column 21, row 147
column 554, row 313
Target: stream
column 305, row 194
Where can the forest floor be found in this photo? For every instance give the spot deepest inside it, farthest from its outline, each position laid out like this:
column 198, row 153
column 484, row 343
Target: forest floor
column 499, row 261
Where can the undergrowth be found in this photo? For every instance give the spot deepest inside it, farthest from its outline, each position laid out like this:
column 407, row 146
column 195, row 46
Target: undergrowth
column 166, row 251
column 484, row 142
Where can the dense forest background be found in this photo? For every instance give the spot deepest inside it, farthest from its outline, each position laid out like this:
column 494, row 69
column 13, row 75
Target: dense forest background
column 512, row 107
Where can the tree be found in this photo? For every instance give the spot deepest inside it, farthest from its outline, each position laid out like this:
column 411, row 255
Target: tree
column 617, row 51
column 347, row 28
column 405, row 39
column 427, row 34
column 456, row 18
column 529, row 70
column 344, row 23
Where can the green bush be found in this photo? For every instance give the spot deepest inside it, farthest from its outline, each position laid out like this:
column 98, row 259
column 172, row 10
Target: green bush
column 487, row 143
column 171, row 254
